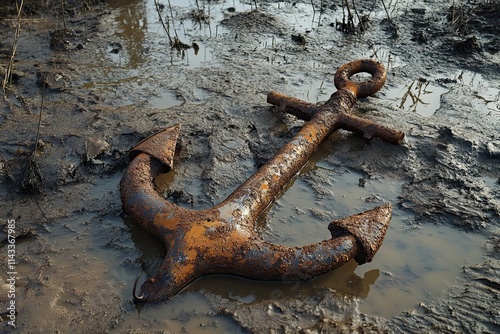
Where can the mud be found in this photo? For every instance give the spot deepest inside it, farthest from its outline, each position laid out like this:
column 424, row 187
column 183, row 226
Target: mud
column 106, row 77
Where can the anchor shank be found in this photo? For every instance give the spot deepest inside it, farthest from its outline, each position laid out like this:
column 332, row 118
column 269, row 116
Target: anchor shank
column 254, row 195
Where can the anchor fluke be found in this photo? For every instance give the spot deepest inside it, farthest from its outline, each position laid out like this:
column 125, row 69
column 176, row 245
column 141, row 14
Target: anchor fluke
column 368, row 227
column 160, row 145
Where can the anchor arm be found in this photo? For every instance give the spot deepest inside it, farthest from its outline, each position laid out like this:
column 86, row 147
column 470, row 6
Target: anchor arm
column 139, row 198
column 202, row 251
column 150, row 157
column 267, row 261
column 263, row 261
column 359, row 236
column 253, row 259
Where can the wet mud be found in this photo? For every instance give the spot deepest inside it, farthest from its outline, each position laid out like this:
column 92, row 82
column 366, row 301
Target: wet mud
column 99, row 76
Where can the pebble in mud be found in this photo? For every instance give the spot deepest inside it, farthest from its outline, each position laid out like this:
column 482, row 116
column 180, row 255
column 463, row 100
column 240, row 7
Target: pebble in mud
column 493, row 149
column 95, row 147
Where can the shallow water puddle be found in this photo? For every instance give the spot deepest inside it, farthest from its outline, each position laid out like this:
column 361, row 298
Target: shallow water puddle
column 423, row 96
column 386, row 57
column 481, row 88
column 138, row 49
column 187, row 313
column 165, row 99
column 420, row 96
column 139, row 45
column 312, row 91
column 138, row 24
column 415, row 263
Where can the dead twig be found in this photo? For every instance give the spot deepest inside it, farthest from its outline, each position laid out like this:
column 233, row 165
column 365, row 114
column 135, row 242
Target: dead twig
column 175, row 41
column 63, row 16
column 391, row 22
column 32, row 179
column 172, row 16
column 10, row 67
column 165, row 26
column 361, row 20
column 348, row 25
column 459, row 19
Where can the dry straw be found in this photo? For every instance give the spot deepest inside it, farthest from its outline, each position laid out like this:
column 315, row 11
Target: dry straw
column 10, row 67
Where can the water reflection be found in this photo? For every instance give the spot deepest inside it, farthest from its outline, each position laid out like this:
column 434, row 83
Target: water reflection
column 132, row 26
column 343, row 280
column 148, row 33
column 420, row 96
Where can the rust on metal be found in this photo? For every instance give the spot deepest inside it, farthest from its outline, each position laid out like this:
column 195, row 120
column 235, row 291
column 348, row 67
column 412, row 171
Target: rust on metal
column 223, row 240
column 160, row 145
column 361, row 89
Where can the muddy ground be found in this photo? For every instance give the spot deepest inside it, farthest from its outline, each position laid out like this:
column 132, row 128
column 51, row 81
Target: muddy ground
column 104, row 85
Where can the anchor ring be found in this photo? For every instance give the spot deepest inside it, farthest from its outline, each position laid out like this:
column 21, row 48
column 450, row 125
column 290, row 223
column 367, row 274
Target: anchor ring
column 361, row 89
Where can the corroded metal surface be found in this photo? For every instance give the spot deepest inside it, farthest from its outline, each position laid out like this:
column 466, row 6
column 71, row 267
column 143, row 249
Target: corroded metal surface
column 361, row 89
column 306, row 111
column 161, row 145
column 223, row 239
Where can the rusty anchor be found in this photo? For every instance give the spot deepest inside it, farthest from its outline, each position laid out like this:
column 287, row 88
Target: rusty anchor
column 222, row 240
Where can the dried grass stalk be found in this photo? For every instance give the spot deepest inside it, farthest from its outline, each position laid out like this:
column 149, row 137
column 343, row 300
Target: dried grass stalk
column 10, row 67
